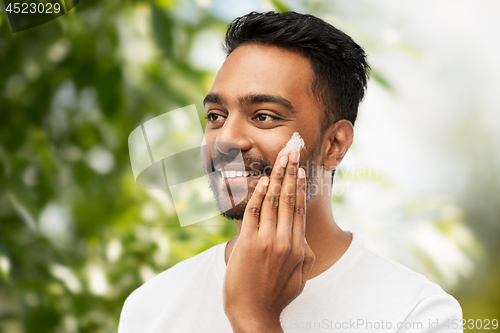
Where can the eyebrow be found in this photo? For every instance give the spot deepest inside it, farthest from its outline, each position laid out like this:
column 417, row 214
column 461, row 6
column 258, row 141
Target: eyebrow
column 263, row 98
column 252, row 99
column 213, row 98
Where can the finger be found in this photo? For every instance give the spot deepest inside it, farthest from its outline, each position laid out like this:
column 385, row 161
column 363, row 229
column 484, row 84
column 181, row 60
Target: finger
column 270, row 205
column 288, row 198
column 252, row 214
column 299, row 218
column 307, row 265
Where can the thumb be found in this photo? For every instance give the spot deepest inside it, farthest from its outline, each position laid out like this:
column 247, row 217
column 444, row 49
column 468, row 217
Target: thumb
column 309, row 259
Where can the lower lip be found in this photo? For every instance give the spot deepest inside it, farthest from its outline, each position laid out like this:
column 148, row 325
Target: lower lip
column 239, row 181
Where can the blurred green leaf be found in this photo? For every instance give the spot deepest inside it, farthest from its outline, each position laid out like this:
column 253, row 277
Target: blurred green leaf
column 280, row 6
column 380, row 79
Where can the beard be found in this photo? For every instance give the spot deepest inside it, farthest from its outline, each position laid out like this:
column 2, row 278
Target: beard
column 232, row 200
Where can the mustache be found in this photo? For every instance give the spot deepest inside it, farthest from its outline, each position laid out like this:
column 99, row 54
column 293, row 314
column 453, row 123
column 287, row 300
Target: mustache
column 256, row 163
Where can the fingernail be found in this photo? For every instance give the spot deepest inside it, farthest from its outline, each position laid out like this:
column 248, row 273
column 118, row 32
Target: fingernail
column 302, row 173
column 294, row 156
column 265, row 181
column 283, row 160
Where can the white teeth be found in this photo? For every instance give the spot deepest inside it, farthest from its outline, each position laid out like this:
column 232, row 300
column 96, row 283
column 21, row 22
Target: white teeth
column 233, row 173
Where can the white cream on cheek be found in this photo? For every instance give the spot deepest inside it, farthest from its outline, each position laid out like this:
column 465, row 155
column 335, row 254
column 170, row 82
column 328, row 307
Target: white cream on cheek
column 295, row 142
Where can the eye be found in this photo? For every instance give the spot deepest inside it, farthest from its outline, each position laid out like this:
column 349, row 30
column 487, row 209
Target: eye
column 265, row 118
column 214, row 117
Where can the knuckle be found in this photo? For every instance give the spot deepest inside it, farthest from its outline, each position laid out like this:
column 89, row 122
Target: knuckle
column 253, row 211
column 245, row 243
column 273, row 201
column 300, row 211
column 283, row 248
column 266, row 246
column 279, row 174
column 288, row 198
column 298, row 255
column 291, row 171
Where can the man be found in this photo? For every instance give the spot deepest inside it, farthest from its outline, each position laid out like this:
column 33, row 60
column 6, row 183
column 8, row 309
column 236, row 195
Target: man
column 291, row 268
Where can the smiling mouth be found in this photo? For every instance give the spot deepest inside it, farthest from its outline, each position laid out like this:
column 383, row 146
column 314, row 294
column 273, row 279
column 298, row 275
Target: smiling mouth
column 239, row 173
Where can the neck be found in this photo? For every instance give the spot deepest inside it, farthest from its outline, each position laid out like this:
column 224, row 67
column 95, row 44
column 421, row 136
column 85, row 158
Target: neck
column 327, row 241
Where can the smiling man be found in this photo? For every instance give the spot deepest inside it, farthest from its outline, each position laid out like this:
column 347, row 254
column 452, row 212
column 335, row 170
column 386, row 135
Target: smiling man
column 291, row 268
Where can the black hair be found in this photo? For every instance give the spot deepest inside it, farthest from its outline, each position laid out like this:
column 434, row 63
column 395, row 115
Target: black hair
column 340, row 68
column 339, row 64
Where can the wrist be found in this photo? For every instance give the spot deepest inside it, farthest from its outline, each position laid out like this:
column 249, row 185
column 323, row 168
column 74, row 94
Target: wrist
column 249, row 324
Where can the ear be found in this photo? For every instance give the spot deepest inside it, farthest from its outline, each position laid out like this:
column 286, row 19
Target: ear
column 337, row 140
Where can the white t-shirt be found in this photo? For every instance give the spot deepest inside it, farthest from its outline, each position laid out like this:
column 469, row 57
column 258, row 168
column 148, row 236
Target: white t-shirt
column 361, row 292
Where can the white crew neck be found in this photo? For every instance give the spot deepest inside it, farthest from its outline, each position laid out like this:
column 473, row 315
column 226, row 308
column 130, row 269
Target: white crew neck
column 349, row 254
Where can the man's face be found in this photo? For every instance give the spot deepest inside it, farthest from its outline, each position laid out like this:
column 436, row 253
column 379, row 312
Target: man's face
column 260, row 97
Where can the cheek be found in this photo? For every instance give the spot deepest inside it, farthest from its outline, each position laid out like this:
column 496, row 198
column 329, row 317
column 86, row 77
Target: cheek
column 270, row 145
column 207, row 147
column 209, row 135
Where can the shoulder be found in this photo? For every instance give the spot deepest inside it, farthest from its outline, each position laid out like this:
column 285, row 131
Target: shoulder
column 386, row 273
column 165, row 297
column 183, row 273
column 392, row 283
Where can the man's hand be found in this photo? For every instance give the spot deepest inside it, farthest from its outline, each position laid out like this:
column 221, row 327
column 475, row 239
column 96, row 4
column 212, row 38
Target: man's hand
column 270, row 261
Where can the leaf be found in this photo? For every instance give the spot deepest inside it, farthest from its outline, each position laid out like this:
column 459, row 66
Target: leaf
column 380, row 79
column 162, row 30
column 280, row 6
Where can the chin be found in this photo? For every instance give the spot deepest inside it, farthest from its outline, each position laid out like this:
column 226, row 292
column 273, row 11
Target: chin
column 236, row 212
column 225, row 198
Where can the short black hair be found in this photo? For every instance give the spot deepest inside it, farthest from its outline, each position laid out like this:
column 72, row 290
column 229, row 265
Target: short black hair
column 339, row 64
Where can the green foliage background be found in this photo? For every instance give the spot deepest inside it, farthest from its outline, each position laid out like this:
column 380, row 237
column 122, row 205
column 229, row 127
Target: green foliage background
column 80, row 54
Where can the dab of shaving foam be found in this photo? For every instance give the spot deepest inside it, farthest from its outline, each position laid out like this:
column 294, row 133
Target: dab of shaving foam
column 295, row 142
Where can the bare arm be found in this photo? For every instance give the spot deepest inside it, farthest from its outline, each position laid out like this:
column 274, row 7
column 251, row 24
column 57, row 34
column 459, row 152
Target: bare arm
column 270, row 261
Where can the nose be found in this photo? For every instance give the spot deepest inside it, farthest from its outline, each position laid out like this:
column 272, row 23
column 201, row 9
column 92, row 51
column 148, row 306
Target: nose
column 232, row 136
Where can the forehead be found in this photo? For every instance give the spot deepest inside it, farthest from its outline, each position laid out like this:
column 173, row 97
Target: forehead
column 264, row 69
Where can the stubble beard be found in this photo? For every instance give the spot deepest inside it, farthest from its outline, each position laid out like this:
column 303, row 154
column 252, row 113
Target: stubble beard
column 237, row 211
